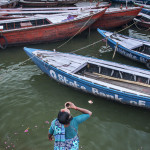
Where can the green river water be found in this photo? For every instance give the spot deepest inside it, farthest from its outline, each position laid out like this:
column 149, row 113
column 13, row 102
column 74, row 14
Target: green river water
column 30, row 99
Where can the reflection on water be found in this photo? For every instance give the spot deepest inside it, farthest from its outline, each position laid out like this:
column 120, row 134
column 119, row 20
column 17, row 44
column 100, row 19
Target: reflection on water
column 136, row 34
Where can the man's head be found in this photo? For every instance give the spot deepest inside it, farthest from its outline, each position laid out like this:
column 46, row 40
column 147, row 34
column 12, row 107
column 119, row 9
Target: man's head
column 64, row 116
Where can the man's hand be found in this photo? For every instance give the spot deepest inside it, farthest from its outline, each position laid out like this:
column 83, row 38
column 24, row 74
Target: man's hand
column 70, row 105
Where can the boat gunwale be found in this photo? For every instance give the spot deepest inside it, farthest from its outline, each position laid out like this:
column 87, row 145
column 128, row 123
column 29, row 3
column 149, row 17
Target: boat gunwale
column 59, row 23
column 87, row 82
column 122, row 10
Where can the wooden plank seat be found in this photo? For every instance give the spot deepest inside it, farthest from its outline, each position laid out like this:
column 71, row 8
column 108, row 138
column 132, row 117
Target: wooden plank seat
column 130, row 85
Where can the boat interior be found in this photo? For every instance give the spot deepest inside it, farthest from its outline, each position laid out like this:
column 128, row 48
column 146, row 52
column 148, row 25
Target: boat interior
column 22, row 24
column 35, row 21
column 116, row 77
column 145, row 49
column 144, row 18
column 145, row 11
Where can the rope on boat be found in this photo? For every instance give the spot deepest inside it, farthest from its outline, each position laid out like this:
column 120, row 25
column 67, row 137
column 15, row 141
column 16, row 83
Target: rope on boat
column 69, row 40
column 13, row 68
column 98, row 41
column 86, row 46
column 115, row 51
column 137, row 26
column 106, row 42
column 76, row 32
column 148, row 29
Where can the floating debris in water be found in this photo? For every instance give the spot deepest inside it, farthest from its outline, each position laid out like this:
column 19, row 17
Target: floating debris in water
column 90, row 102
column 15, row 133
column 27, row 130
column 47, row 122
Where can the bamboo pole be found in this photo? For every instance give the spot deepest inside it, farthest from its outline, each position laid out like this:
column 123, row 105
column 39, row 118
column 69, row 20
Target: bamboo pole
column 115, row 51
column 122, row 80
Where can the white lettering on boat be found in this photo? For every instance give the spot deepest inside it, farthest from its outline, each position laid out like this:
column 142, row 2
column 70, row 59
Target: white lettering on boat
column 140, row 103
column 127, row 54
column 65, row 80
column 95, row 91
column 143, row 60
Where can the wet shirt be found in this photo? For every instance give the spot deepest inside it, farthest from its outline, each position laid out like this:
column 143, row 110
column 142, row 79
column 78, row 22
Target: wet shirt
column 72, row 129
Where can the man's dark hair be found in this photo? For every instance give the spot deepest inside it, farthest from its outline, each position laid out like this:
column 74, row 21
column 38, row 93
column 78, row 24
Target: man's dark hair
column 64, row 117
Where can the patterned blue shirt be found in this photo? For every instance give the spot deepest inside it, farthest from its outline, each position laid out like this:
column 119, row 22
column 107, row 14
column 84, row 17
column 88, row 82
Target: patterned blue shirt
column 72, row 129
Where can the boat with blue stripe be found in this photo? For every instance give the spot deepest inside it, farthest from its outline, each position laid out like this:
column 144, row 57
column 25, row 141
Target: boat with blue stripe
column 135, row 49
column 114, row 81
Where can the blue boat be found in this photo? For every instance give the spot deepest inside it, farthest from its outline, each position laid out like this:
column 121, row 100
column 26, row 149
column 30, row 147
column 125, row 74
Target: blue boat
column 135, row 49
column 114, row 81
column 145, row 11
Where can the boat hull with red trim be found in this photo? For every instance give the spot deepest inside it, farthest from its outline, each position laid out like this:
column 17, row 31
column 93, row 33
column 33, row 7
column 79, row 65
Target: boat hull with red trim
column 142, row 23
column 37, row 4
column 48, row 33
column 113, row 19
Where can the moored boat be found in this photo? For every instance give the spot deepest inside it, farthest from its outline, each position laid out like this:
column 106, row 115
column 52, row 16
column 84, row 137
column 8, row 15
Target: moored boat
column 45, row 3
column 145, row 5
column 39, row 29
column 135, row 49
column 143, row 19
column 114, row 81
column 67, row 2
column 8, row 4
column 52, row 10
column 116, row 17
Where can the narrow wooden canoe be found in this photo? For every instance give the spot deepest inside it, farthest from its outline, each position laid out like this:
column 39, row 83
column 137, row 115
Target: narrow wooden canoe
column 135, row 49
column 46, row 29
column 143, row 19
column 145, row 5
column 114, row 81
column 8, row 4
column 96, row 6
column 53, row 10
column 37, row 3
column 116, row 17
column 45, row 2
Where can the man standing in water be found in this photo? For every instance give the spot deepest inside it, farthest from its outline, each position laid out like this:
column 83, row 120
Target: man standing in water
column 65, row 127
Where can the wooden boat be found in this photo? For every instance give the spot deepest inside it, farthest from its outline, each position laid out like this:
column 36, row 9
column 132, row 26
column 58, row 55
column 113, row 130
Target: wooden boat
column 145, row 11
column 122, row 1
column 125, row 84
column 52, row 10
column 39, row 29
column 138, row 50
column 15, row 13
column 67, row 2
column 6, row 17
column 8, row 4
column 145, row 5
column 143, row 19
column 59, row 2
column 45, row 3
column 116, row 17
